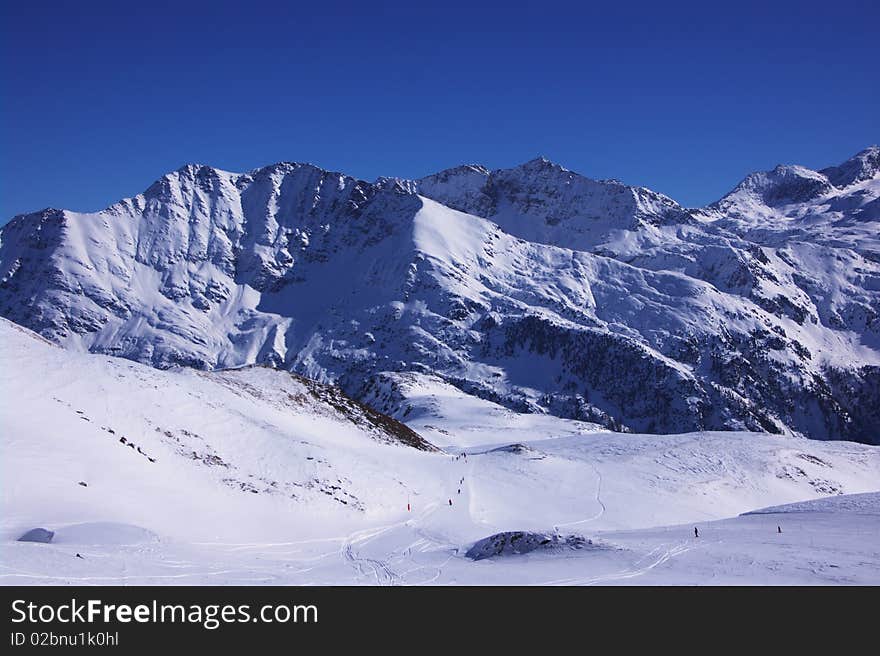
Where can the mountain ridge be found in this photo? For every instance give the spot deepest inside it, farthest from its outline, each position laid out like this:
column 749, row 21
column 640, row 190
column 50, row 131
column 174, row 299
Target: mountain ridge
column 868, row 158
column 533, row 287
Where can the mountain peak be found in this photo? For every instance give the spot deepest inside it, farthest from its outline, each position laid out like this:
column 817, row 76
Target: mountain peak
column 541, row 163
column 784, row 184
column 192, row 168
column 286, row 165
column 463, row 170
column 862, row 166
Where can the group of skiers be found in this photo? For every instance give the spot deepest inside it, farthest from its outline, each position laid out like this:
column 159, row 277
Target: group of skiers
column 460, row 456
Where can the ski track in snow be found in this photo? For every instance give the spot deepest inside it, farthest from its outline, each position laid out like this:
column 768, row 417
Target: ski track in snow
column 380, row 571
column 668, row 552
column 602, row 507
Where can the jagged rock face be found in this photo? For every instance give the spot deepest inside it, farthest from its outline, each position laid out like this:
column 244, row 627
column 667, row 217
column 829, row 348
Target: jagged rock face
column 863, row 166
column 783, row 185
column 533, row 287
column 174, row 276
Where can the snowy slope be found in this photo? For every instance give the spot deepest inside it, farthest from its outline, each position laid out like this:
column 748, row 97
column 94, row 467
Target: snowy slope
column 254, row 476
column 185, row 444
column 533, row 288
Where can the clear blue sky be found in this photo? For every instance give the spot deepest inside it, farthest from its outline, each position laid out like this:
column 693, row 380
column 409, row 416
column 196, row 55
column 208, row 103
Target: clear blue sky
column 101, row 98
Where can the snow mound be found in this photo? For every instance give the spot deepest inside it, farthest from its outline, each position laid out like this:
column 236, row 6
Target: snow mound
column 105, row 533
column 521, row 542
column 867, row 503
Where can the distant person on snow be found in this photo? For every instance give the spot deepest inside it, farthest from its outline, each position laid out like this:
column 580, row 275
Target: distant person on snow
column 779, row 529
column 450, row 502
column 459, row 490
column 696, row 532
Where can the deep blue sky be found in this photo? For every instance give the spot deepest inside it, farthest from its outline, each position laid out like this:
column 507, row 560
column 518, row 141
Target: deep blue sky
column 101, row 98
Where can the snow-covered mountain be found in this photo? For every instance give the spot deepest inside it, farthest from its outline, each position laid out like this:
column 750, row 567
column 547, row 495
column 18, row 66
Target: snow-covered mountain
column 533, row 287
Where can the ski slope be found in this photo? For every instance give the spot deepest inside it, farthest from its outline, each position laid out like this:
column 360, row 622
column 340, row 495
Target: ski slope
column 247, row 477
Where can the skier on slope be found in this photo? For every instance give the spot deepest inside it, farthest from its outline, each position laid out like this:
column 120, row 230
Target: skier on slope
column 450, row 502
column 696, row 532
